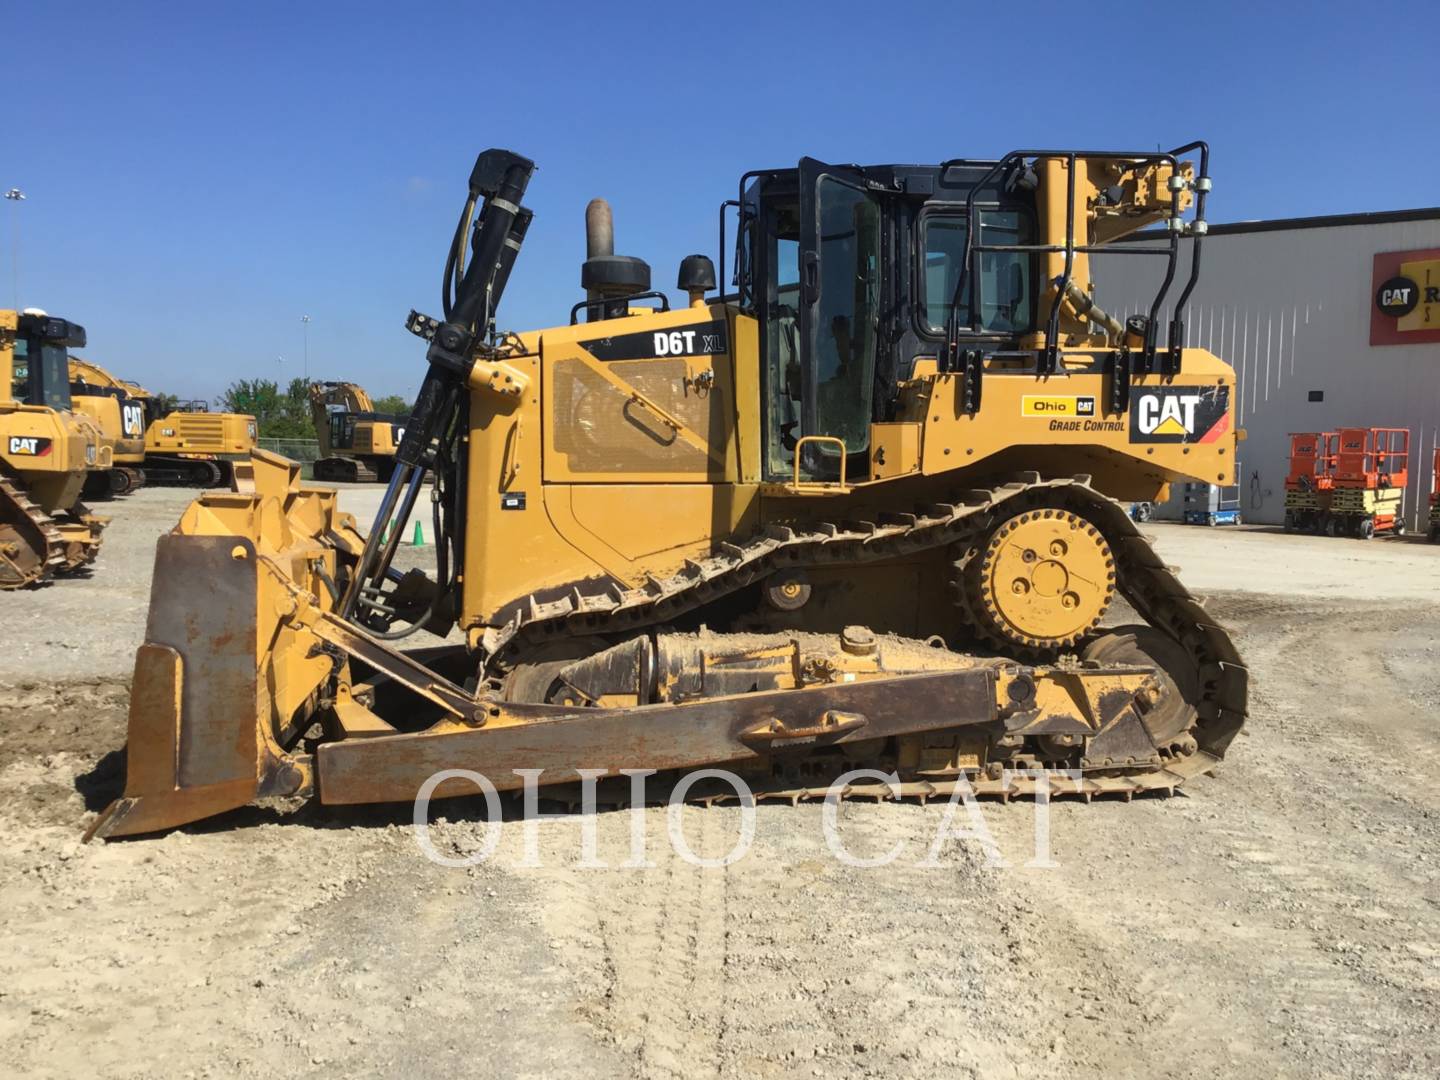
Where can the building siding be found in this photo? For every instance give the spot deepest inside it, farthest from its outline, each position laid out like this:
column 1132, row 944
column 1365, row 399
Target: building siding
column 1289, row 309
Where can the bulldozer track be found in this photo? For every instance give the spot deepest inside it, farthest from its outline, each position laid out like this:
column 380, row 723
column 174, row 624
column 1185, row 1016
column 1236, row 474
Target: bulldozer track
column 31, row 526
column 1151, row 588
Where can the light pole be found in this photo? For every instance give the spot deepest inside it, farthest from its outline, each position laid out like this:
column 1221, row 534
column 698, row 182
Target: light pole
column 15, row 197
column 305, row 324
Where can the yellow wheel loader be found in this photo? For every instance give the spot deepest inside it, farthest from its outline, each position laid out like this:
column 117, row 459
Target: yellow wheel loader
column 356, row 442
column 46, row 452
column 859, row 514
column 120, row 416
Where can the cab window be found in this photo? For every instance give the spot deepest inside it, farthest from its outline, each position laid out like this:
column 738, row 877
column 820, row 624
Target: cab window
column 54, row 365
column 20, row 372
column 781, row 314
column 849, row 309
column 1006, row 286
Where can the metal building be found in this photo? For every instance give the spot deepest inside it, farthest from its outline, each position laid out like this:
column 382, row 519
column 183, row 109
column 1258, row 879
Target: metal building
column 1328, row 322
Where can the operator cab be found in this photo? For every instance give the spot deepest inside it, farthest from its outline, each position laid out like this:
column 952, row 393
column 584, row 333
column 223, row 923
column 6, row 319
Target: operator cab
column 852, row 272
column 342, row 426
column 40, row 374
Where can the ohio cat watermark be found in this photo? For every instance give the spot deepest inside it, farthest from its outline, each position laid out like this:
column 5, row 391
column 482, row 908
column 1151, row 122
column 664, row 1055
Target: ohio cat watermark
column 963, row 819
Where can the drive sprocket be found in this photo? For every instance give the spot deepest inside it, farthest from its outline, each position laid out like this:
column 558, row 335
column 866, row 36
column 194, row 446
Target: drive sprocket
column 1042, row 580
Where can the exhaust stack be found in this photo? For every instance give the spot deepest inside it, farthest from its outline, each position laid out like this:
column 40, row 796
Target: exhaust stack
column 609, row 280
column 599, row 229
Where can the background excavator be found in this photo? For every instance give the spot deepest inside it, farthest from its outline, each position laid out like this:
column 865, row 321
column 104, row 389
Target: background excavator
column 186, row 445
column 46, row 452
column 356, row 442
column 859, row 513
column 120, row 416
column 190, row 446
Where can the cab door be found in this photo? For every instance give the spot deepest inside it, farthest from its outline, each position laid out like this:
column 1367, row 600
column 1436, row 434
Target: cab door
column 840, row 277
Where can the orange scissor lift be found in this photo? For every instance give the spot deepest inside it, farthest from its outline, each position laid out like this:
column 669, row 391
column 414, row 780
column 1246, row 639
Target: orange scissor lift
column 1308, row 483
column 1435, row 498
column 1347, row 482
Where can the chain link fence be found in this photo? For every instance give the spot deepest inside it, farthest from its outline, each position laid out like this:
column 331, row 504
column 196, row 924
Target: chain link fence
column 304, row 451
column 295, row 449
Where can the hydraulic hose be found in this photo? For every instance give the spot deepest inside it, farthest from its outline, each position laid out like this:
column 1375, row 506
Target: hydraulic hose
column 500, row 179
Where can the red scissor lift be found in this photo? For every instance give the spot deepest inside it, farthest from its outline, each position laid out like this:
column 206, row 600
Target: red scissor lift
column 1371, row 467
column 1347, row 482
column 1435, row 498
column 1308, row 484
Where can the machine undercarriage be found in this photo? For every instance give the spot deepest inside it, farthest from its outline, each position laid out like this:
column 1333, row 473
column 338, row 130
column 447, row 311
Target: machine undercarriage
column 1145, row 707
column 35, row 544
column 605, row 683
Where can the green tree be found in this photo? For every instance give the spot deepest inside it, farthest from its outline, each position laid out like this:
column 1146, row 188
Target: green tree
column 278, row 414
column 259, row 398
column 295, row 408
column 392, row 405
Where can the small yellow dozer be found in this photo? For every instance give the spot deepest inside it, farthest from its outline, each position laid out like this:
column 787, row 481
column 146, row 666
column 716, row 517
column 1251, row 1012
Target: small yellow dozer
column 190, row 446
column 46, row 452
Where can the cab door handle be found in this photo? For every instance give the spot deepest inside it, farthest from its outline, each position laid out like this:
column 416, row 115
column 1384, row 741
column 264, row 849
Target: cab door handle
column 810, row 277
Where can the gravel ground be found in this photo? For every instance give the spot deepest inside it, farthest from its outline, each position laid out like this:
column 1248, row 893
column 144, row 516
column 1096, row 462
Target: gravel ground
column 1281, row 918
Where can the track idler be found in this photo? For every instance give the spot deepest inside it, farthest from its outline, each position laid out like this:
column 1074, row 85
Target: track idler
column 110, row 483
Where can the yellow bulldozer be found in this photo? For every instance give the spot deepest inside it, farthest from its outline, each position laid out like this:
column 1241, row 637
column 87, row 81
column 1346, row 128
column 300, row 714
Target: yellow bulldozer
column 120, row 416
column 859, row 513
column 46, row 453
column 356, row 442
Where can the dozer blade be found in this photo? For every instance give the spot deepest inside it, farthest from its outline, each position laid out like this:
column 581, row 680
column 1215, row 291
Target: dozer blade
column 192, row 748
column 219, row 662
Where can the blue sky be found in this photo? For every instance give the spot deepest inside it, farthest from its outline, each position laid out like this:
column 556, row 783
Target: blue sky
column 200, row 175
